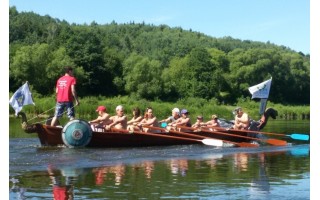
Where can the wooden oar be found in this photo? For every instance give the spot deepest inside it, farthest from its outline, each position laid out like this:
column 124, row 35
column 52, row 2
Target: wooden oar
column 207, row 139
column 295, row 136
column 274, row 142
column 210, row 142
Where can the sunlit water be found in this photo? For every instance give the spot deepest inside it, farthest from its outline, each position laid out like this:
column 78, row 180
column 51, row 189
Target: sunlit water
column 173, row 172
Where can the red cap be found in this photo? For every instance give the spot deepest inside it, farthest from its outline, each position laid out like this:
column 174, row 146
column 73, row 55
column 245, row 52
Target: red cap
column 101, row 108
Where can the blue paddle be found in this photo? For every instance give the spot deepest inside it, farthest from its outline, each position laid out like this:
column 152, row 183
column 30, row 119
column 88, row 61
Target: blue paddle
column 295, row 136
column 164, row 124
column 298, row 136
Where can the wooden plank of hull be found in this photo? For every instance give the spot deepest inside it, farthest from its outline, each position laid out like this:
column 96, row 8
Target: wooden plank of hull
column 136, row 140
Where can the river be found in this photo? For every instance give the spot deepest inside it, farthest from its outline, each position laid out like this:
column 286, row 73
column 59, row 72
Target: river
column 173, row 172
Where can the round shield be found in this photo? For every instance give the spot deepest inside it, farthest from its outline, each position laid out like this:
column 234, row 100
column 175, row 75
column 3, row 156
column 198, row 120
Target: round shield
column 76, row 133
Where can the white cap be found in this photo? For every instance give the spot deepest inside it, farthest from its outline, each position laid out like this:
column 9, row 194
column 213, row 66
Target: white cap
column 176, row 110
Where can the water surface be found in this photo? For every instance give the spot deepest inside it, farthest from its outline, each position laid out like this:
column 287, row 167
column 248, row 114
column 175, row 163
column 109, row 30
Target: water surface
column 173, row 172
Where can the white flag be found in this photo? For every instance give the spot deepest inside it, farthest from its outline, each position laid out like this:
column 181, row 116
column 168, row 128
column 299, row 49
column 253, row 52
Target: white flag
column 20, row 98
column 261, row 90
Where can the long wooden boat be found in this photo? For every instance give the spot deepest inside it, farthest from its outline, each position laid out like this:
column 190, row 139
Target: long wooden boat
column 55, row 136
column 78, row 133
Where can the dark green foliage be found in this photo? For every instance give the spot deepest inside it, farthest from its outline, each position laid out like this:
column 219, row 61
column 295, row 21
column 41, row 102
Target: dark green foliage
column 150, row 62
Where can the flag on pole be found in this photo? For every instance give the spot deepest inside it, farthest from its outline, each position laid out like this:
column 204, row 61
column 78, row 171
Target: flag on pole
column 261, row 90
column 20, row 98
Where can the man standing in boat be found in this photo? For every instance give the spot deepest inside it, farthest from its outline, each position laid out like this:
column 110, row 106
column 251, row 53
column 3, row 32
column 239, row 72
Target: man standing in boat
column 66, row 93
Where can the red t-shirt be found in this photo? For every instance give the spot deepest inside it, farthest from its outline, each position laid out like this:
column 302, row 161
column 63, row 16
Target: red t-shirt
column 64, row 88
column 60, row 193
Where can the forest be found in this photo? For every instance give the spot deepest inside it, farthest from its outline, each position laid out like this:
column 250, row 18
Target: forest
column 144, row 61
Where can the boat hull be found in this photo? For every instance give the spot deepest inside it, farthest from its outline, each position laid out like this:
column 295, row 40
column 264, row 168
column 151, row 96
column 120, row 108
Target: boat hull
column 52, row 136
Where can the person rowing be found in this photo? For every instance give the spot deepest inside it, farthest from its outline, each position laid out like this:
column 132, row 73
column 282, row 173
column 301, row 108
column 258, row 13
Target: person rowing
column 148, row 120
column 133, row 123
column 175, row 116
column 119, row 121
column 241, row 120
column 102, row 120
column 184, row 120
column 199, row 123
column 213, row 122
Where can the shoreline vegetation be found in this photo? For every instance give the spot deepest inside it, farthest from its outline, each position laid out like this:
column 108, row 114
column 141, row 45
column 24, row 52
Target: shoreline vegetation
column 45, row 106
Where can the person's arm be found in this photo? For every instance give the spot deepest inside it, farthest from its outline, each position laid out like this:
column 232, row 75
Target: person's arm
column 74, row 93
column 182, row 121
column 166, row 120
column 123, row 118
column 149, row 123
column 137, row 120
column 95, row 120
column 133, row 121
column 130, row 121
column 104, row 117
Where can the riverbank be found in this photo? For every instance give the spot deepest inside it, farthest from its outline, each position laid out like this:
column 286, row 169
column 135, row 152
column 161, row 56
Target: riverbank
column 196, row 106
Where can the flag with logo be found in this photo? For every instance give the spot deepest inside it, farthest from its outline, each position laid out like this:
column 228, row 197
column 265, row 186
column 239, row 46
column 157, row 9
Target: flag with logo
column 261, row 91
column 21, row 98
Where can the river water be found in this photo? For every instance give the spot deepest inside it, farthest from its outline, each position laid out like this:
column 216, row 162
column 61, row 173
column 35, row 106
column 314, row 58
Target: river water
column 173, row 172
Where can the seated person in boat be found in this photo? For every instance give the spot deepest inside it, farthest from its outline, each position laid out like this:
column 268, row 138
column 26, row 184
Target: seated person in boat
column 199, row 123
column 148, row 120
column 241, row 120
column 133, row 123
column 184, row 120
column 102, row 120
column 213, row 122
column 119, row 121
column 175, row 116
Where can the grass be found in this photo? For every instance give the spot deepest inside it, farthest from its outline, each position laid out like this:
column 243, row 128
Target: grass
column 196, row 106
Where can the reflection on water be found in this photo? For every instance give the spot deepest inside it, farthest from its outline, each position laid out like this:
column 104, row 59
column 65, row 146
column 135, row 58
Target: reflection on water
column 185, row 172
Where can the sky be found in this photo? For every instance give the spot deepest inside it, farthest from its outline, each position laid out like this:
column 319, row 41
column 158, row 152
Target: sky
column 281, row 22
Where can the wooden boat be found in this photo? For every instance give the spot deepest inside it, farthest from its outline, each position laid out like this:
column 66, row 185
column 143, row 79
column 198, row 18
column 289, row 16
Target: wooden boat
column 78, row 133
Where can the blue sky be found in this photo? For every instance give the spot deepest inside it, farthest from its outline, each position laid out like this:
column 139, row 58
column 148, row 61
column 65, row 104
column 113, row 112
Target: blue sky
column 282, row 22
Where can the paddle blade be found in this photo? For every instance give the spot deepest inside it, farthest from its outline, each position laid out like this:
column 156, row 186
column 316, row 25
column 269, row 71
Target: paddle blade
column 213, row 142
column 164, row 124
column 276, row 142
column 299, row 136
column 246, row 144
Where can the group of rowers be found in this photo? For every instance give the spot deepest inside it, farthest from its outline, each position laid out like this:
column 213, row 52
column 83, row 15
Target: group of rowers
column 104, row 121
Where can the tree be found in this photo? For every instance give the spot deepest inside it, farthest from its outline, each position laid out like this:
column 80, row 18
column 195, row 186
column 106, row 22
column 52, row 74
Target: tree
column 142, row 77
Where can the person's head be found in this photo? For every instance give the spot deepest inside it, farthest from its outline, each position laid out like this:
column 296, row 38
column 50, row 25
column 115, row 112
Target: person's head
column 238, row 110
column 175, row 112
column 148, row 113
column 199, row 118
column 119, row 110
column 101, row 109
column 214, row 117
column 184, row 112
column 136, row 112
column 68, row 70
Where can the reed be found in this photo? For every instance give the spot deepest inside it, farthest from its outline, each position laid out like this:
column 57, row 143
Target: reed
column 45, row 107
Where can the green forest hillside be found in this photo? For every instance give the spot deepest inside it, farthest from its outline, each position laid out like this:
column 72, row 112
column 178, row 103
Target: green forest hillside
column 150, row 62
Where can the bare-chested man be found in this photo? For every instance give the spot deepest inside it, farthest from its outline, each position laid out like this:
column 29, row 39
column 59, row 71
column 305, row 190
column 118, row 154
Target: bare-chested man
column 119, row 121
